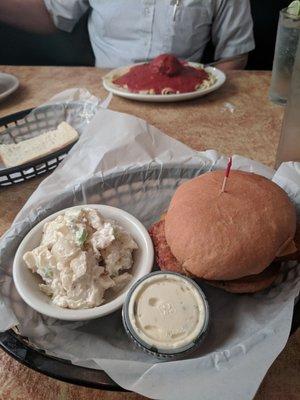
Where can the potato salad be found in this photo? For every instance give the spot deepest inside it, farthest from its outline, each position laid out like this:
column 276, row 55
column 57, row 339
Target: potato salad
column 80, row 256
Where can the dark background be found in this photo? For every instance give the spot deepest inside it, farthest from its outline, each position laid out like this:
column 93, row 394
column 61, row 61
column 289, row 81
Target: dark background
column 22, row 48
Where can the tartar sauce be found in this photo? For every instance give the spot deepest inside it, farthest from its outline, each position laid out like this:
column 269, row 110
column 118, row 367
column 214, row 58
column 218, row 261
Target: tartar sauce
column 167, row 311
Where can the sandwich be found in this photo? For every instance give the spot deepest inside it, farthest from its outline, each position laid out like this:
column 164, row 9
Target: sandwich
column 236, row 239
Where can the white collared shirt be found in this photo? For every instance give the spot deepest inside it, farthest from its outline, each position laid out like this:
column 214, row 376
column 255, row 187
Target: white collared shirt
column 123, row 32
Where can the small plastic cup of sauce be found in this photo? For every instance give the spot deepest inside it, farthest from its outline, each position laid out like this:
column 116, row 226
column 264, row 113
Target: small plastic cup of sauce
column 166, row 314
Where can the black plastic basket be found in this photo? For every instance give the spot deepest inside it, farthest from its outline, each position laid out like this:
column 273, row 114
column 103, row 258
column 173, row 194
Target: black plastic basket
column 36, row 359
column 102, row 191
column 24, row 125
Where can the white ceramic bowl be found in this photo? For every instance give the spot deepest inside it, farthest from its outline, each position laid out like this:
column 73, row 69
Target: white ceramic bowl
column 27, row 282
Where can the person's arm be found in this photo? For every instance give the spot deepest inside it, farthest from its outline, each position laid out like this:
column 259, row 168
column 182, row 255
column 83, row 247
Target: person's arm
column 232, row 33
column 29, row 15
column 238, row 62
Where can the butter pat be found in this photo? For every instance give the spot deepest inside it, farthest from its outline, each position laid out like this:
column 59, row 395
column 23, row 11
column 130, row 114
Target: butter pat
column 39, row 146
column 166, row 312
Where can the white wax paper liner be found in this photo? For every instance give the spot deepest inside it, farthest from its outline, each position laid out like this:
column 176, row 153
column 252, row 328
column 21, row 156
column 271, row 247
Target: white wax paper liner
column 247, row 332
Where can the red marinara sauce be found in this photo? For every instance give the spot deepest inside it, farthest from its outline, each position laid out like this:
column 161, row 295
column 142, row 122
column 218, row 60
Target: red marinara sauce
column 163, row 72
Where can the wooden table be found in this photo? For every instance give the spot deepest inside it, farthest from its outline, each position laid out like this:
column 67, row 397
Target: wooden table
column 237, row 119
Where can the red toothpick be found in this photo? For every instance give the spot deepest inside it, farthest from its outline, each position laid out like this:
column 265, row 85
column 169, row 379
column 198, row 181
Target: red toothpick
column 229, row 164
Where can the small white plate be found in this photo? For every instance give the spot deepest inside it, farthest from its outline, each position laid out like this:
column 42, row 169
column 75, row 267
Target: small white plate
column 27, row 283
column 8, row 84
column 115, row 89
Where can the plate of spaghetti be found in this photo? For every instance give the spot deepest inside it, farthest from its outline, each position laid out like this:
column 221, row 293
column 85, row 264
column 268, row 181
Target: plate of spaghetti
column 163, row 79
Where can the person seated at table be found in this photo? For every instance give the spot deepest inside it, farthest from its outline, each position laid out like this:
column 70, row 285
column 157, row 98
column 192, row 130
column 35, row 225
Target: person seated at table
column 125, row 32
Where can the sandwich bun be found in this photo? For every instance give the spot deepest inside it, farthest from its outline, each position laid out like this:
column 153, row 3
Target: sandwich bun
column 229, row 235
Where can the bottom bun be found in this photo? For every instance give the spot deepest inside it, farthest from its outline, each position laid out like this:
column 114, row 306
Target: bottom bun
column 251, row 283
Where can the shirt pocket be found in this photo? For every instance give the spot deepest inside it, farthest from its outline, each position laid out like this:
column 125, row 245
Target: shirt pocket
column 189, row 31
column 117, row 20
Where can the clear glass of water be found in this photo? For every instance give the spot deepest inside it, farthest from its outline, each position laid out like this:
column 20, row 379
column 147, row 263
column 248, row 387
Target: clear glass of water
column 289, row 144
column 288, row 34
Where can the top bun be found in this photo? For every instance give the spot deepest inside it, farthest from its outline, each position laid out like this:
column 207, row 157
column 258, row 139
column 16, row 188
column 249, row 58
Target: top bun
column 232, row 234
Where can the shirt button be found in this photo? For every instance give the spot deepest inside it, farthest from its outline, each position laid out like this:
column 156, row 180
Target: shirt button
column 147, row 11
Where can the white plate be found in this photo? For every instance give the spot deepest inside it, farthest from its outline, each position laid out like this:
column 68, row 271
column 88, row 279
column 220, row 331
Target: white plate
column 8, row 84
column 27, row 283
column 107, row 83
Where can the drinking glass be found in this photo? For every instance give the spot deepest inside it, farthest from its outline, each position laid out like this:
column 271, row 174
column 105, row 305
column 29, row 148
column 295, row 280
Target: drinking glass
column 289, row 144
column 287, row 39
